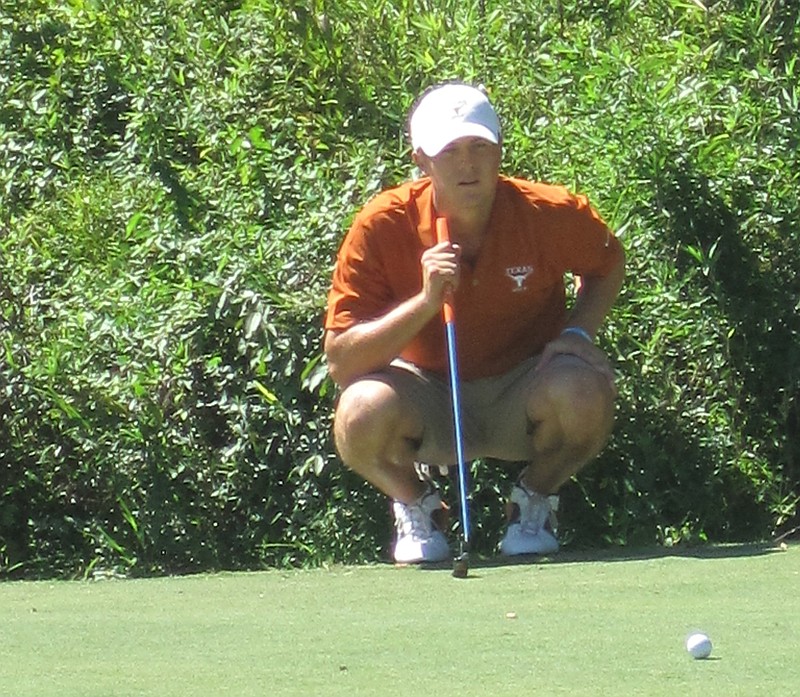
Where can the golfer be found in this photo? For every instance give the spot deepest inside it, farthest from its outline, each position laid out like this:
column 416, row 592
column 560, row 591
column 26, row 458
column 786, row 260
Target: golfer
column 534, row 386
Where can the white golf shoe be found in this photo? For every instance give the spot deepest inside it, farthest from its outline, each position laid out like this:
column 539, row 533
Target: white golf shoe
column 418, row 526
column 532, row 523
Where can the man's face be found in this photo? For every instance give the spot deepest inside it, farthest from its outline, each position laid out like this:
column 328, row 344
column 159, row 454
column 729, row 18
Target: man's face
column 464, row 174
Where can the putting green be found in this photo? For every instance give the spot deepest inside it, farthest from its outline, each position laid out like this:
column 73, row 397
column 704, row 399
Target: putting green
column 579, row 624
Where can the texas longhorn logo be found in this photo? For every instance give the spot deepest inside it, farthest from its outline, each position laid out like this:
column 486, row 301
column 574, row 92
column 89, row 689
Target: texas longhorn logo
column 518, row 274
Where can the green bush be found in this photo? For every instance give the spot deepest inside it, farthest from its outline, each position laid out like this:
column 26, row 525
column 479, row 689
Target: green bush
column 175, row 178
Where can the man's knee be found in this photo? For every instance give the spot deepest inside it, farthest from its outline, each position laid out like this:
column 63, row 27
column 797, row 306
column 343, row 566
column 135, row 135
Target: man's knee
column 368, row 417
column 582, row 400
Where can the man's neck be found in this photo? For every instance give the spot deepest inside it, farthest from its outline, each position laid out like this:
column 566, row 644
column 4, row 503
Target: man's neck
column 468, row 228
column 469, row 232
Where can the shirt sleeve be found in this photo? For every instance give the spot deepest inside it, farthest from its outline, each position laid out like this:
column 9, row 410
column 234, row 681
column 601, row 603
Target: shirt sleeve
column 583, row 242
column 359, row 290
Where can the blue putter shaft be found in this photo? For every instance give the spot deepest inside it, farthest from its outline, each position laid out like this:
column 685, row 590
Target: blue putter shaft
column 455, row 392
column 443, row 235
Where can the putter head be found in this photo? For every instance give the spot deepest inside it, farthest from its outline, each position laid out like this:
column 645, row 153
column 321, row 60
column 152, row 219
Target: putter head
column 461, row 565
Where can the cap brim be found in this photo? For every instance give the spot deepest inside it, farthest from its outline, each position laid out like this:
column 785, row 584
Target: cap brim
column 433, row 145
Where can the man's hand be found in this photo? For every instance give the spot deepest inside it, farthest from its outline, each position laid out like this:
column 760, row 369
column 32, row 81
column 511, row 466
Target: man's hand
column 575, row 345
column 440, row 271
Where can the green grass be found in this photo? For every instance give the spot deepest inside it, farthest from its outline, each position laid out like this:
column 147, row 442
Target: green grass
column 584, row 625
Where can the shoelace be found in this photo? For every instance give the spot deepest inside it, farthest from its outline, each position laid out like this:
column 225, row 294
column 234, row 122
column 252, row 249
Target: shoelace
column 538, row 512
column 415, row 521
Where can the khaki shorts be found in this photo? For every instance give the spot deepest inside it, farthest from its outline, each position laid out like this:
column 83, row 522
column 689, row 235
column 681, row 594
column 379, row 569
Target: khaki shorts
column 494, row 420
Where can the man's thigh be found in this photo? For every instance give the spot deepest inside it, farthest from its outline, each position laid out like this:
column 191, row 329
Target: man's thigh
column 502, row 405
column 428, row 398
column 498, row 408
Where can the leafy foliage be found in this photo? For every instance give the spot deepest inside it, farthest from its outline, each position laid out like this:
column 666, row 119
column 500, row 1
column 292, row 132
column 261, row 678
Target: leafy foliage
column 175, row 178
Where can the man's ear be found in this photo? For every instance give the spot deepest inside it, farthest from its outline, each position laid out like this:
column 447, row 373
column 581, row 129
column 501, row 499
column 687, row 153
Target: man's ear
column 421, row 161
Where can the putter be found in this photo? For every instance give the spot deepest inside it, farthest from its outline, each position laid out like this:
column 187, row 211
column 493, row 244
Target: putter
column 461, row 562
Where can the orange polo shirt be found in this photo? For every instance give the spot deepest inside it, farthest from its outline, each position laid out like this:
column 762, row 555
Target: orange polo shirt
column 509, row 303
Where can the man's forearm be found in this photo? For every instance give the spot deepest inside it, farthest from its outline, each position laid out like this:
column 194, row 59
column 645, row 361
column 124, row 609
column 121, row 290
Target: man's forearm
column 595, row 300
column 372, row 345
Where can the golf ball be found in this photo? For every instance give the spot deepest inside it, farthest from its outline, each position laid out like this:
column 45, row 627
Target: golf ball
column 699, row 645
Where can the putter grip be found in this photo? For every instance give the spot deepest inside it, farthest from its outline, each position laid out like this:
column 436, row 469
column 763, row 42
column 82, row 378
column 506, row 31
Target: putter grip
column 443, row 235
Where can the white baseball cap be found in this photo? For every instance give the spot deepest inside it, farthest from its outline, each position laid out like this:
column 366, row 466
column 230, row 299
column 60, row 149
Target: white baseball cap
column 450, row 112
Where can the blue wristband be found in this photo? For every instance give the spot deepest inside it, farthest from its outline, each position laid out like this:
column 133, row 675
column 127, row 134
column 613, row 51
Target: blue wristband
column 580, row 331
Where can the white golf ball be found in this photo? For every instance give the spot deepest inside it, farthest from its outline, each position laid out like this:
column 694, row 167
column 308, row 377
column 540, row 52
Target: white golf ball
column 699, row 645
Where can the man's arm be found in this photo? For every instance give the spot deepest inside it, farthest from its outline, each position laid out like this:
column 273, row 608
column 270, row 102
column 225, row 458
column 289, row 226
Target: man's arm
column 595, row 299
column 371, row 345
